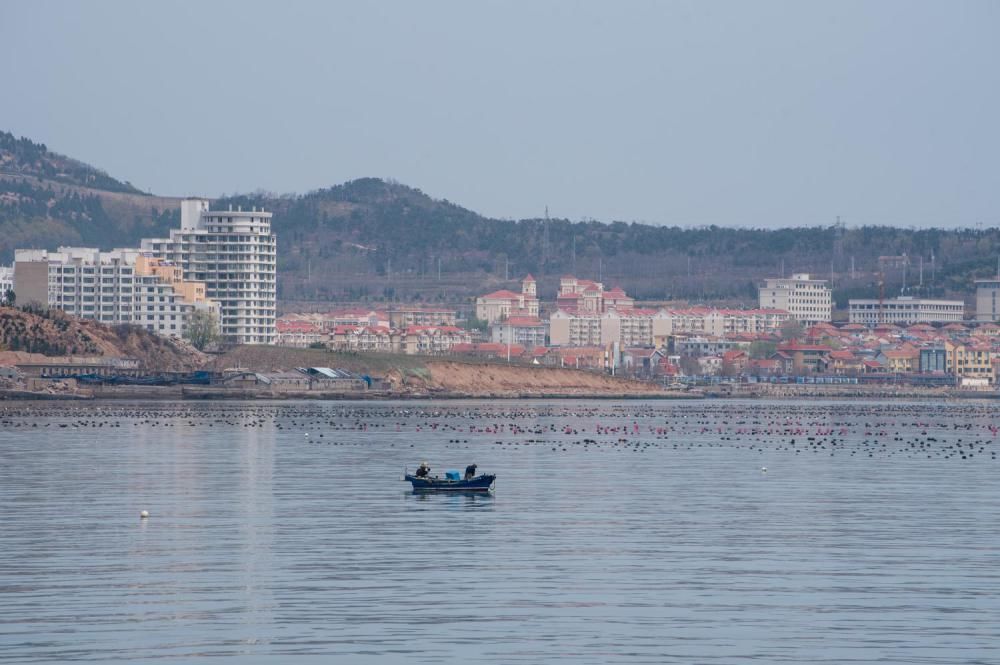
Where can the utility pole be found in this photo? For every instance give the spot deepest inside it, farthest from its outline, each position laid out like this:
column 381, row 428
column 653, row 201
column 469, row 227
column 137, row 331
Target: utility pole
column 574, row 254
column 852, row 269
column 439, row 268
column 921, row 270
column 545, row 239
column 881, row 297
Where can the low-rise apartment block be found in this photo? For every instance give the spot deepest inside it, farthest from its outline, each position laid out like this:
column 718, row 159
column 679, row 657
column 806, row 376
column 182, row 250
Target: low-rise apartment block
column 526, row 331
column 404, row 316
column 905, row 310
column 719, row 322
column 120, row 286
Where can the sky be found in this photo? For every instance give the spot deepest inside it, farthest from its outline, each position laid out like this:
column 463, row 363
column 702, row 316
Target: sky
column 762, row 114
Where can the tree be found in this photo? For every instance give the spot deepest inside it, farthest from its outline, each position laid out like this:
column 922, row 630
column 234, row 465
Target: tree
column 472, row 323
column 202, row 329
column 9, row 298
column 791, row 329
column 762, row 349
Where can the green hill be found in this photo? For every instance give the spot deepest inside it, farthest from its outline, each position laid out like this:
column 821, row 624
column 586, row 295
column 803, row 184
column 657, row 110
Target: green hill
column 22, row 156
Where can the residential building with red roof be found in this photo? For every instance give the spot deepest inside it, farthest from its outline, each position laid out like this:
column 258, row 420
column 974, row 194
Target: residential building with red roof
column 503, row 304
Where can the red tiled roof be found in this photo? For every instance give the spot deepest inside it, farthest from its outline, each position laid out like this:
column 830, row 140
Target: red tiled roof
column 502, row 294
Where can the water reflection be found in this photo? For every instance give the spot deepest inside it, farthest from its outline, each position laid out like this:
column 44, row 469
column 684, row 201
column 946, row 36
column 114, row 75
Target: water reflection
column 463, row 500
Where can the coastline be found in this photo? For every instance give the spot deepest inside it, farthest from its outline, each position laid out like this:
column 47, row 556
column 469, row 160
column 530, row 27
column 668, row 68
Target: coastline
column 187, row 393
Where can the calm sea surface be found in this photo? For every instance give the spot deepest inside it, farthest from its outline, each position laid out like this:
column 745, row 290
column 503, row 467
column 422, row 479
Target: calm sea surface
column 643, row 532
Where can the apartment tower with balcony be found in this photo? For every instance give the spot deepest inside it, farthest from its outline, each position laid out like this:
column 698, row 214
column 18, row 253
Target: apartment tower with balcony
column 233, row 253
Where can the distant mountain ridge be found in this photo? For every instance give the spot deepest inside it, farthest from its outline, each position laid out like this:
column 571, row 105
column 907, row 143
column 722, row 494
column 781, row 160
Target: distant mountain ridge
column 372, row 240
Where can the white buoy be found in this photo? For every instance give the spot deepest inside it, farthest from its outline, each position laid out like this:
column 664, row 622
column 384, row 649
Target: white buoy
column 143, row 514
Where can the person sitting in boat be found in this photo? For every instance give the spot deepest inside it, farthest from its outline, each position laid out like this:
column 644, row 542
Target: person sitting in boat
column 470, row 472
column 423, row 470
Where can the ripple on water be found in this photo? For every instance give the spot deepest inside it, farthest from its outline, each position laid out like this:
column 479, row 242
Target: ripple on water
column 620, row 531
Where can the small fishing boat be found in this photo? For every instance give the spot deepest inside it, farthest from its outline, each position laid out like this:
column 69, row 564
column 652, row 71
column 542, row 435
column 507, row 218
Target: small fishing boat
column 422, row 481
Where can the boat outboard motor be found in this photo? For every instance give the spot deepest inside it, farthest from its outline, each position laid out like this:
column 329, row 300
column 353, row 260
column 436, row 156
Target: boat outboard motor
column 470, row 472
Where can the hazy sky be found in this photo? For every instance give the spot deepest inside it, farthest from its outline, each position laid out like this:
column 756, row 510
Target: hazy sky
column 731, row 113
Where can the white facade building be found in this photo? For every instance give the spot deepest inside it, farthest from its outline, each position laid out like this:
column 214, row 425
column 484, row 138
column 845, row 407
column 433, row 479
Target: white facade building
column 233, row 253
column 905, row 311
column 808, row 300
column 106, row 287
column 628, row 328
column 987, row 296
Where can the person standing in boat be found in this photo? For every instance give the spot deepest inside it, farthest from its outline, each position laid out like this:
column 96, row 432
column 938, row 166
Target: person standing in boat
column 423, row 470
column 470, row 472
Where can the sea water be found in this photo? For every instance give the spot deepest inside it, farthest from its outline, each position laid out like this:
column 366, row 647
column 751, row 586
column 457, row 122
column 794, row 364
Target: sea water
column 643, row 532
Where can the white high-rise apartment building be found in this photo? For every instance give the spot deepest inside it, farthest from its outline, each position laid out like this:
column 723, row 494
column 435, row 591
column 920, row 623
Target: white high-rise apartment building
column 234, row 253
column 808, row 300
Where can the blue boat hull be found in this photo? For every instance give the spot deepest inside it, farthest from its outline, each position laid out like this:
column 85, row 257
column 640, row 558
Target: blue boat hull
column 481, row 483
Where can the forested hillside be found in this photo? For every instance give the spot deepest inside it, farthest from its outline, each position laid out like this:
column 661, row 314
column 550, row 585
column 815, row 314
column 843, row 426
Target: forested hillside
column 47, row 199
column 374, row 240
